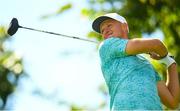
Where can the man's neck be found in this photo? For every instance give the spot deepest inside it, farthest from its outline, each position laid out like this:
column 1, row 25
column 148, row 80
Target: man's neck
column 124, row 36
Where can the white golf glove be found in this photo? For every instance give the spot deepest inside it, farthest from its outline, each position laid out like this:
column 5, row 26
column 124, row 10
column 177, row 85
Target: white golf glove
column 168, row 60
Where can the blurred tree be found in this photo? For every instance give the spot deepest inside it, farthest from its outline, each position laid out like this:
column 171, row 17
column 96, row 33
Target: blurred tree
column 73, row 106
column 10, row 70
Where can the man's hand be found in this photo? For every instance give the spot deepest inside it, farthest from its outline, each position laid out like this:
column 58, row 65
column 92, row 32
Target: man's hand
column 155, row 56
column 168, row 60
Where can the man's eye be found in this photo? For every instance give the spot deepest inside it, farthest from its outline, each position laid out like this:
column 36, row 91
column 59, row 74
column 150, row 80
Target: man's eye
column 102, row 31
column 109, row 25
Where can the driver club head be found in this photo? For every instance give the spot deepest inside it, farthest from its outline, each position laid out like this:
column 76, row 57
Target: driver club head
column 13, row 27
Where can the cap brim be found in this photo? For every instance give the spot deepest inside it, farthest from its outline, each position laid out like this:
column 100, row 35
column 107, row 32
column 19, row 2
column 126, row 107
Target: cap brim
column 97, row 22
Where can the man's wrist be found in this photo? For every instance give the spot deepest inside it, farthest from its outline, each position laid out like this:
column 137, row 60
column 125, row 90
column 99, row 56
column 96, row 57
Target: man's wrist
column 167, row 61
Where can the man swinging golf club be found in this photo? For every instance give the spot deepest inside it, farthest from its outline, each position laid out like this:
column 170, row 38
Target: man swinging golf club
column 132, row 81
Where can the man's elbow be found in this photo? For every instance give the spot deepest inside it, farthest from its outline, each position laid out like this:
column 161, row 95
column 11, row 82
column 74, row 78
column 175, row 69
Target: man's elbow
column 160, row 48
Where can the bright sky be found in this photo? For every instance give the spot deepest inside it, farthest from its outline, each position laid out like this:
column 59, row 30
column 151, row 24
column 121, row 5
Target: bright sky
column 62, row 68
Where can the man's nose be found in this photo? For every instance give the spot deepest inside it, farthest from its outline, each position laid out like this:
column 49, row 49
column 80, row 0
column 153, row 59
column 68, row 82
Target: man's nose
column 106, row 30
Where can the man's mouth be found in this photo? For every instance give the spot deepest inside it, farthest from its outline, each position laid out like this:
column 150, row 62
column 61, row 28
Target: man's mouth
column 108, row 35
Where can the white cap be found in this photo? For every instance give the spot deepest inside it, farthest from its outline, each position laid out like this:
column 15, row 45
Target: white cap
column 97, row 22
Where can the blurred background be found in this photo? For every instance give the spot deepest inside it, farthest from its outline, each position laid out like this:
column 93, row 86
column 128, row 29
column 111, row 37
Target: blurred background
column 50, row 73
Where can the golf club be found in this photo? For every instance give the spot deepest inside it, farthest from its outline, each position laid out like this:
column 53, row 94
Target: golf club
column 13, row 27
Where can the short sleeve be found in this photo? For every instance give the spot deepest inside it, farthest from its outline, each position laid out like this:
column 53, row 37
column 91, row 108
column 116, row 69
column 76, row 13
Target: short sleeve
column 113, row 47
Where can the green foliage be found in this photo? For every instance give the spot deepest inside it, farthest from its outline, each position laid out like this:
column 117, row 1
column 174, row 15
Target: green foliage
column 76, row 108
column 91, row 13
column 64, row 8
column 61, row 10
column 10, row 69
column 3, row 35
column 95, row 35
column 2, row 32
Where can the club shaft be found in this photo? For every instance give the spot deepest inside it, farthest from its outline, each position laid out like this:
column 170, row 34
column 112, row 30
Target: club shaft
column 73, row 37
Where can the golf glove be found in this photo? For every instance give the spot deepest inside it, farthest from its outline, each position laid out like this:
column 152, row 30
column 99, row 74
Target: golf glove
column 168, row 60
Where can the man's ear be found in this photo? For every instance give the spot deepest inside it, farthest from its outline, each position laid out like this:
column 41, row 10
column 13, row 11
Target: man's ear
column 126, row 27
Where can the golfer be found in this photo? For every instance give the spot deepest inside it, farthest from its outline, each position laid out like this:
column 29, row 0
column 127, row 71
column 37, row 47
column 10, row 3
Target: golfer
column 132, row 81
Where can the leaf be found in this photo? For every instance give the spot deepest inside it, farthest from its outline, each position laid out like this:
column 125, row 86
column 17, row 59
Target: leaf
column 76, row 108
column 95, row 35
column 64, row 8
column 3, row 33
column 59, row 11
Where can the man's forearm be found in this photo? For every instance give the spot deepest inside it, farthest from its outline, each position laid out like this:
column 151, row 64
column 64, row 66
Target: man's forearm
column 173, row 81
